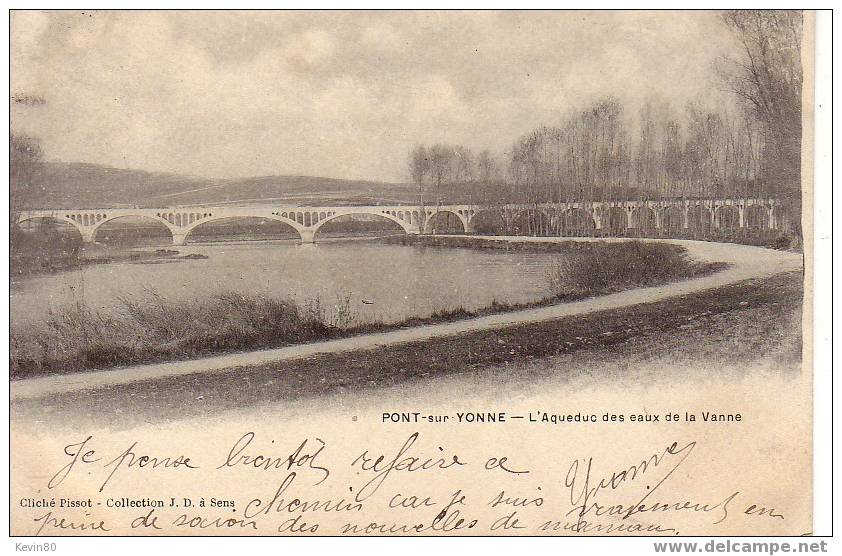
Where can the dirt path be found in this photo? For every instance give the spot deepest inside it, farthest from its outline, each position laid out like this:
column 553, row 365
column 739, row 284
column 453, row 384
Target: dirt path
column 746, row 262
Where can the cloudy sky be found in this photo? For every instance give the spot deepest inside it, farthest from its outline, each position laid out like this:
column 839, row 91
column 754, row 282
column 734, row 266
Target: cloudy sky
column 342, row 95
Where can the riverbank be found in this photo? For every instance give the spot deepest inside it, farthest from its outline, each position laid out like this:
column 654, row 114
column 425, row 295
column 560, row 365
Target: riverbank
column 729, row 327
column 588, row 268
column 154, row 329
column 33, row 262
column 746, row 263
column 543, row 244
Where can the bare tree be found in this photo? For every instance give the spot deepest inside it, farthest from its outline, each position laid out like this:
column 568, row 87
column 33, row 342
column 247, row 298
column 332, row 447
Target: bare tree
column 768, row 77
column 440, row 167
column 25, row 161
column 600, row 153
column 464, row 165
column 488, row 170
column 419, row 169
column 25, row 157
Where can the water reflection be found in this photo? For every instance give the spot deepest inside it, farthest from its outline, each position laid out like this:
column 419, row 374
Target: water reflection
column 383, row 282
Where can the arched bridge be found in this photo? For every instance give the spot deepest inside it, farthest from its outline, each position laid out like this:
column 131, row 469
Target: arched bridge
column 413, row 219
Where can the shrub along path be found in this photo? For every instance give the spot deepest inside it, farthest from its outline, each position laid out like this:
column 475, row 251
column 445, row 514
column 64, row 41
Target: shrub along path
column 745, row 262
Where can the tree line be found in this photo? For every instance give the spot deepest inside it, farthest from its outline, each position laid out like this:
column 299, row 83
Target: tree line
column 607, row 152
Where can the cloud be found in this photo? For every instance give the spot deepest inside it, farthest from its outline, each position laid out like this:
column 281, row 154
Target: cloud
column 381, row 36
column 331, row 93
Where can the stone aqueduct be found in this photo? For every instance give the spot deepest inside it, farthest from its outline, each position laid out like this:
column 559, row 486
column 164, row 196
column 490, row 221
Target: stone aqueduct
column 616, row 216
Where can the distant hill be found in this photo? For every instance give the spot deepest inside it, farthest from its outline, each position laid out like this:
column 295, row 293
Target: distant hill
column 70, row 185
column 60, row 185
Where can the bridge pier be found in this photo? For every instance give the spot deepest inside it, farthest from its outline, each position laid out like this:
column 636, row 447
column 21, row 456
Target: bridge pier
column 597, row 218
column 179, row 238
column 87, row 235
column 307, row 236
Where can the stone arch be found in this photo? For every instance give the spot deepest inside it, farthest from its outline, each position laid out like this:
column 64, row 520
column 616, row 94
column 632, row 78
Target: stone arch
column 615, row 220
column 783, row 217
column 386, row 215
column 699, row 219
column 68, row 223
column 531, row 221
column 577, row 221
column 114, row 217
column 186, row 231
column 672, row 218
column 727, row 217
column 431, row 223
column 643, row 218
column 757, row 217
column 489, row 221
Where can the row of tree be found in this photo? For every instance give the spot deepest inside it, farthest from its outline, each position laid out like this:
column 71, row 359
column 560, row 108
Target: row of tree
column 439, row 167
column 600, row 154
column 604, row 152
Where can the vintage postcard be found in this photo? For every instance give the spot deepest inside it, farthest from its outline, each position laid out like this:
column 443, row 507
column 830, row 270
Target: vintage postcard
column 416, row 273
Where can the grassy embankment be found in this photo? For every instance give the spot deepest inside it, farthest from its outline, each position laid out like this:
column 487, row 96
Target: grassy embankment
column 727, row 328
column 30, row 254
column 33, row 254
column 154, row 329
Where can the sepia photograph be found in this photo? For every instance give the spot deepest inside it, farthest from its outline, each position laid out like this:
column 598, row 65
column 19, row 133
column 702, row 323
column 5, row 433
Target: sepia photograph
column 411, row 273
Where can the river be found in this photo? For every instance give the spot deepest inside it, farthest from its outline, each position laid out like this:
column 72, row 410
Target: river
column 380, row 281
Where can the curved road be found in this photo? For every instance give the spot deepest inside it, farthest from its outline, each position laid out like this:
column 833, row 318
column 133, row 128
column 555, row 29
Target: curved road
column 746, row 262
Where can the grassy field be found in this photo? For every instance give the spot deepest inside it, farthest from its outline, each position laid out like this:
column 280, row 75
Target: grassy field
column 733, row 325
column 152, row 329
